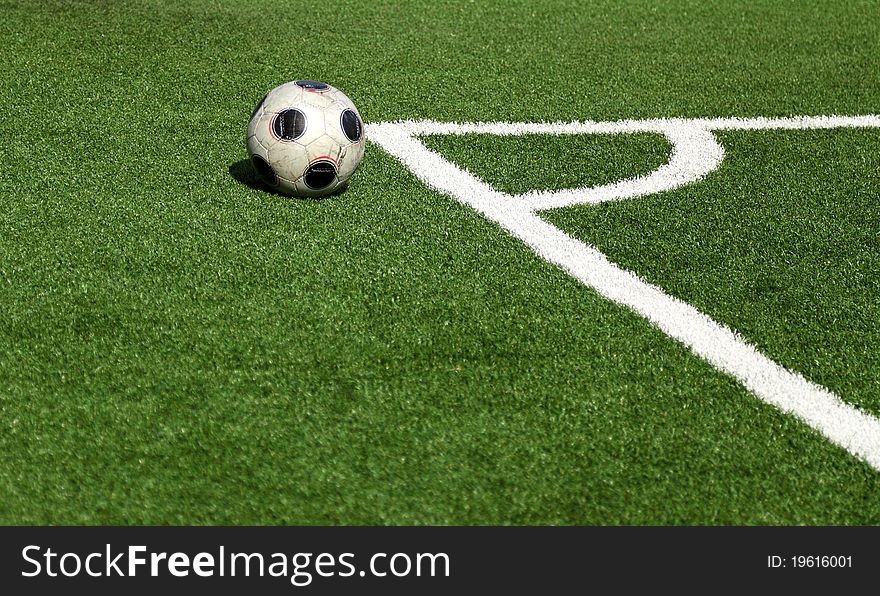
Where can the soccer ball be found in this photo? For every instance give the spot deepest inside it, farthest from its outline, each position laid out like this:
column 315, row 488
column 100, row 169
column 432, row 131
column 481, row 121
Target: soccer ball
column 305, row 138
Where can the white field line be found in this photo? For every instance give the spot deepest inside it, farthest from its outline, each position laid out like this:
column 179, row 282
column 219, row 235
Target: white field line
column 695, row 153
column 659, row 125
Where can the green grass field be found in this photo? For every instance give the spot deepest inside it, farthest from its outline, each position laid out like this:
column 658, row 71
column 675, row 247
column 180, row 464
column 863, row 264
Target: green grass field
column 179, row 346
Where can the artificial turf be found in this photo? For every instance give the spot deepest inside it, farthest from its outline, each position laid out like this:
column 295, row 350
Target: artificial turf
column 179, row 346
column 520, row 164
column 782, row 244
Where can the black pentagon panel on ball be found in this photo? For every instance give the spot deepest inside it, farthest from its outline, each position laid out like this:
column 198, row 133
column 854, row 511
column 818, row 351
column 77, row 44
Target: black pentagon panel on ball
column 313, row 85
column 320, row 174
column 351, row 125
column 289, row 124
column 264, row 170
column 259, row 105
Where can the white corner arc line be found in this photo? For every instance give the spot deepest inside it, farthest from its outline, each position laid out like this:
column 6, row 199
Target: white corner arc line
column 695, row 153
column 698, row 154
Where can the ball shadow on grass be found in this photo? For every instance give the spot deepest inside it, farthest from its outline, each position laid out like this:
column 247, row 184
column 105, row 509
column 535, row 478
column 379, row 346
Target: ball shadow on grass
column 244, row 173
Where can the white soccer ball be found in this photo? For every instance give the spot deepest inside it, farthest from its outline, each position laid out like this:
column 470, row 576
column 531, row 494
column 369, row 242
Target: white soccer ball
column 305, row 138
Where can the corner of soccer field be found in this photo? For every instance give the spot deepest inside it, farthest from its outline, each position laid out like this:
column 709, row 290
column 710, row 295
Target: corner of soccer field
column 609, row 266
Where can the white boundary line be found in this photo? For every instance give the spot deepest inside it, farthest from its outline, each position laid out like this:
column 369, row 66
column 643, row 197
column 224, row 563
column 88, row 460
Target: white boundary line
column 695, row 153
column 657, row 125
